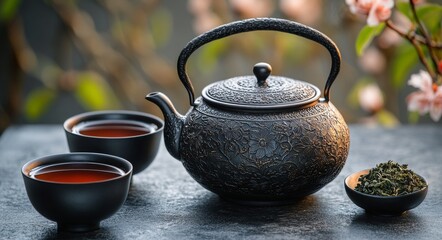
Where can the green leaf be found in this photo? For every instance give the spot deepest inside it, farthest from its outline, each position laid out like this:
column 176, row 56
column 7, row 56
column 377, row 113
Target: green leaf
column 431, row 16
column 365, row 37
column 405, row 9
column 38, row 102
column 404, row 60
column 8, row 8
column 93, row 92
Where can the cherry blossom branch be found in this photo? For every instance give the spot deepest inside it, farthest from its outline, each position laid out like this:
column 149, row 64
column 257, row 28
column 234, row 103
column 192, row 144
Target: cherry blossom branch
column 417, row 37
column 411, row 37
column 427, row 37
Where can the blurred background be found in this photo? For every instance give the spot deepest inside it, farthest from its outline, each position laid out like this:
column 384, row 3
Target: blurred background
column 63, row 57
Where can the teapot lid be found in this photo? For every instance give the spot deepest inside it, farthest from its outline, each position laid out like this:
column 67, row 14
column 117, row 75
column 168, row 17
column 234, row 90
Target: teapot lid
column 261, row 91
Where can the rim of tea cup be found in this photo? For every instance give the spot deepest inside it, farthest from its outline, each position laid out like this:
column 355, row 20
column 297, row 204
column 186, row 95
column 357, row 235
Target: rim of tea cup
column 76, row 206
column 65, row 158
column 71, row 122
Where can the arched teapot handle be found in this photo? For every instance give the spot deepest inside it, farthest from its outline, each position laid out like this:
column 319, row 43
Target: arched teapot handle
column 256, row 24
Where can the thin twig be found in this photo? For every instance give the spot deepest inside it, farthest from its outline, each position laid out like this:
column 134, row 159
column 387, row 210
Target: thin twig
column 424, row 31
column 412, row 39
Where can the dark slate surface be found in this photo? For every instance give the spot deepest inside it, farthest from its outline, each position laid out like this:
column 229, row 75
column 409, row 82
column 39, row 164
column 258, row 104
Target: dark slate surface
column 165, row 203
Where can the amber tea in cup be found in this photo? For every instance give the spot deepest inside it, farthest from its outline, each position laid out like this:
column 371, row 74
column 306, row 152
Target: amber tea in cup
column 76, row 172
column 113, row 128
column 77, row 190
column 134, row 136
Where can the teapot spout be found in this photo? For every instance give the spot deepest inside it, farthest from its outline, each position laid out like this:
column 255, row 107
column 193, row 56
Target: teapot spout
column 173, row 122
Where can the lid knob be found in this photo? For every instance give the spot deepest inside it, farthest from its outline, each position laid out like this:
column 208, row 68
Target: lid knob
column 262, row 72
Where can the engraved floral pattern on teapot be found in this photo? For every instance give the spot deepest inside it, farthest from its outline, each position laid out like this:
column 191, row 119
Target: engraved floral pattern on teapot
column 262, row 154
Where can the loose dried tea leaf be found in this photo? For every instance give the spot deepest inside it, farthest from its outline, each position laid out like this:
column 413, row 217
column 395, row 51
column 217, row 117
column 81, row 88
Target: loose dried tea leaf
column 390, row 179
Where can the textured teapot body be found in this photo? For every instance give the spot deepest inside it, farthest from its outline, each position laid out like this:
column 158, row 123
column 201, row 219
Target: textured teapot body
column 264, row 156
column 258, row 139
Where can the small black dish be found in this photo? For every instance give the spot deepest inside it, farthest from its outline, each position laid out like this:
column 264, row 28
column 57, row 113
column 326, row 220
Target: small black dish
column 382, row 205
column 77, row 206
column 139, row 149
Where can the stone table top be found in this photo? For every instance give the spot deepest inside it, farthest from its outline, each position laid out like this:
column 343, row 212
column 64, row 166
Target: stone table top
column 164, row 202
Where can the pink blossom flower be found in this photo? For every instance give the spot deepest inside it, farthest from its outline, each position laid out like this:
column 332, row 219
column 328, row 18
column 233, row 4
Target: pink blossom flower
column 376, row 10
column 436, row 107
column 371, row 99
column 428, row 98
column 360, row 6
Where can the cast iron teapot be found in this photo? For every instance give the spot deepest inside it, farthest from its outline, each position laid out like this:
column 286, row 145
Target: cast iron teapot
column 261, row 139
